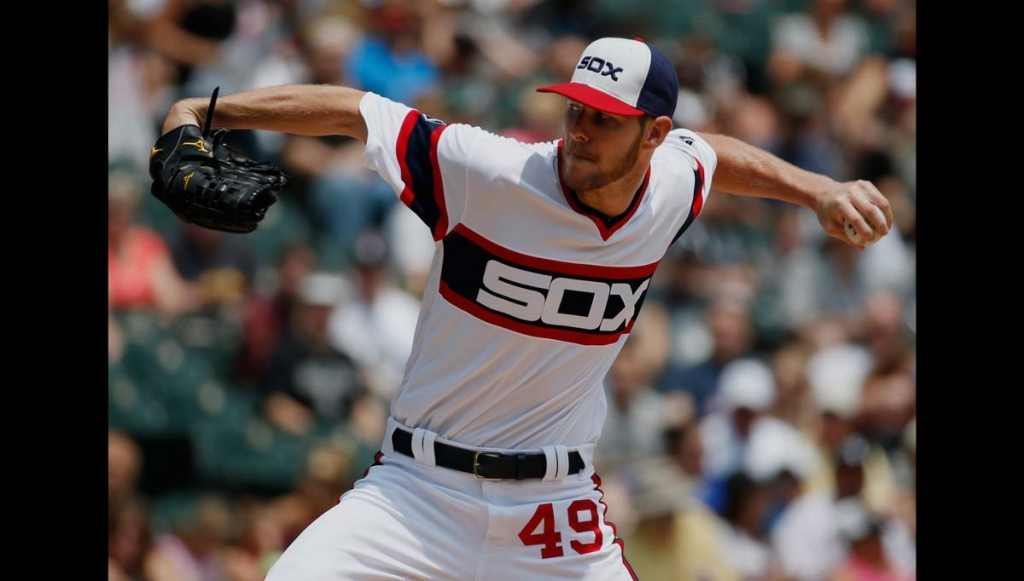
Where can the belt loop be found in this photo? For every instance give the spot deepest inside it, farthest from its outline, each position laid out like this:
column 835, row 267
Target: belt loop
column 562, row 453
column 428, row 448
column 387, row 446
column 552, row 464
column 423, row 446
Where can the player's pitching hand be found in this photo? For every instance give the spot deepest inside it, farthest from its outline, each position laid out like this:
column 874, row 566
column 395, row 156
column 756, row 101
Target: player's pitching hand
column 856, row 213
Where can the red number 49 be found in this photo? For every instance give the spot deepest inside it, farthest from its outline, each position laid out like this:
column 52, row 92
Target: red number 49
column 540, row 530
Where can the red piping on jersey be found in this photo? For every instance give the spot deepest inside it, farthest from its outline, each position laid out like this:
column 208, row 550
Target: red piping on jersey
column 698, row 192
column 615, row 531
column 505, row 322
column 441, row 227
column 403, row 143
column 569, row 268
column 605, row 231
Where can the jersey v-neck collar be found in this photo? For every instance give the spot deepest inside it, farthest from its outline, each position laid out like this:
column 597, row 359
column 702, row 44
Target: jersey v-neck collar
column 605, row 226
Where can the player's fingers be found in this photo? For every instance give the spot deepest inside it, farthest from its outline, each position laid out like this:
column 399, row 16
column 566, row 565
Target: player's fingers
column 873, row 208
column 857, row 231
column 881, row 213
column 847, row 224
column 883, row 204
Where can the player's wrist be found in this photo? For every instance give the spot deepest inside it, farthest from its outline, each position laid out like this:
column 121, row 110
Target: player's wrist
column 185, row 112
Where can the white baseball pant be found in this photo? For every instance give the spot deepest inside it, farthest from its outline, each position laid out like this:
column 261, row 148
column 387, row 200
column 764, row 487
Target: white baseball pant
column 409, row 519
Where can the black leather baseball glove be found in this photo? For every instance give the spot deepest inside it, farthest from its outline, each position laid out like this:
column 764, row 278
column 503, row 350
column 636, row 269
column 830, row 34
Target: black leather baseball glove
column 205, row 182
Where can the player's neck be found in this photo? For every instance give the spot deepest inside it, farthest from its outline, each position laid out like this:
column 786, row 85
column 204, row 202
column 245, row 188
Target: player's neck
column 614, row 199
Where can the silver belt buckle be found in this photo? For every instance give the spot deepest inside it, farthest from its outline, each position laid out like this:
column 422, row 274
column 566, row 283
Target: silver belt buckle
column 476, row 464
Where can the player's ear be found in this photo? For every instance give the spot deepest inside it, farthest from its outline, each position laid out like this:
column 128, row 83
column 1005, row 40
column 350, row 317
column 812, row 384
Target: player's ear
column 657, row 131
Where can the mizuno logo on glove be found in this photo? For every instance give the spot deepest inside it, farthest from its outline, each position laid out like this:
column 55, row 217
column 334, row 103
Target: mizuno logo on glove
column 199, row 144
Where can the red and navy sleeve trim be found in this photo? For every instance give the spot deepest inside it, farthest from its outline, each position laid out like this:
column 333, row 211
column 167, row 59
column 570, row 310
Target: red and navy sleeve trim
column 421, row 174
column 698, row 200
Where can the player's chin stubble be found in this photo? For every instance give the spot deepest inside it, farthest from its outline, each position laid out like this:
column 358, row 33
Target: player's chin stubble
column 587, row 179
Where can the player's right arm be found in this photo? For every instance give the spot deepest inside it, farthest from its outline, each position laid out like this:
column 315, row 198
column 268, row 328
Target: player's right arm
column 746, row 170
column 313, row 110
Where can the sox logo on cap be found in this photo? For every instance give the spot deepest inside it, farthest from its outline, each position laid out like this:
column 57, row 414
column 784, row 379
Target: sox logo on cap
column 624, row 77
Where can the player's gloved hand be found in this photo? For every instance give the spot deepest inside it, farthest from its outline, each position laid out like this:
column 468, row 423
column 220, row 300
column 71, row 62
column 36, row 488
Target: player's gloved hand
column 205, row 182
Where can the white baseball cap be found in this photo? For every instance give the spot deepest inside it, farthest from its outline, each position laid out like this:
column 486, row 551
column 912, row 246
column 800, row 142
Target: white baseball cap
column 747, row 383
column 775, row 447
column 624, row 77
column 322, row 289
column 836, row 375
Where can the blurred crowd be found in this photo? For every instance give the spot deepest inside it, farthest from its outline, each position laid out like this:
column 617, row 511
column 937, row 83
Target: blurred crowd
column 761, row 417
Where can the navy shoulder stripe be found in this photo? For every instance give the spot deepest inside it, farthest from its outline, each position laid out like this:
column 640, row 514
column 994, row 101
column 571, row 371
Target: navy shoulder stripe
column 417, row 156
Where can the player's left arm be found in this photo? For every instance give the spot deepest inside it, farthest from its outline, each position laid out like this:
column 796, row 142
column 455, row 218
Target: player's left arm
column 746, row 170
column 311, row 110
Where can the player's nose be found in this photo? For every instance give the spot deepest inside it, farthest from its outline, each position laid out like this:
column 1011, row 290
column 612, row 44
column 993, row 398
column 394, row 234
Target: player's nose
column 577, row 133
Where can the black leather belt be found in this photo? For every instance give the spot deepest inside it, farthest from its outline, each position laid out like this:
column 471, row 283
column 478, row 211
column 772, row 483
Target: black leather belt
column 486, row 465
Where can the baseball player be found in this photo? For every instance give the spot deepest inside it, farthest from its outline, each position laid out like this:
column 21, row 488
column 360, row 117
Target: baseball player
column 544, row 257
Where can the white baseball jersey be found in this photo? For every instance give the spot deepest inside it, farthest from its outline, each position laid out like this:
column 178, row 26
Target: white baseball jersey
column 530, row 294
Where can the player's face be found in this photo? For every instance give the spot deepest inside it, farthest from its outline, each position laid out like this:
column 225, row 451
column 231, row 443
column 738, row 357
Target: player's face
column 598, row 148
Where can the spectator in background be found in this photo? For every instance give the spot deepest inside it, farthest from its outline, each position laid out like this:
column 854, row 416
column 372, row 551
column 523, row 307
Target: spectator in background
column 866, row 558
column 816, row 46
column 675, row 537
column 787, row 296
column 781, row 460
column 221, row 264
column 196, row 34
column 309, row 382
column 884, row 331
column 678, row 290
column 129, row 538
column 732, row 336
column 124, row 466
column 746, row 544
column 744, row 393
column 480, row 62
column 684, row 440
column 375, row 324
column 889, row 403
column 889, row 393
column 906, row 461
column 887, row 267
column 837, row 377
column 904, row 513
column 635, row 420
column 337, row 193
column 841, row 291
column 261, row 538
column 146, row 44
column 389, row 60
column 327, row 473
column 116, row 340
column 189, row 32
column 807, row 535
column 191, row 549
column 814, row 49
column 793, row 402
column 540, row 118
column 710, row 79
column 141, row 273
column 265, row 317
